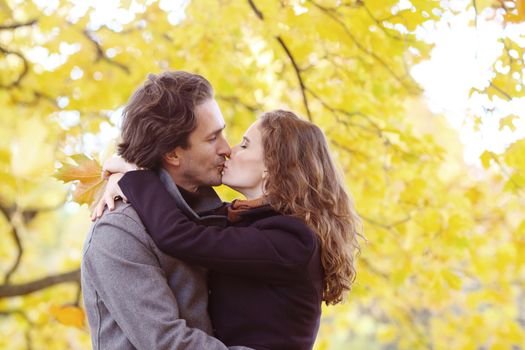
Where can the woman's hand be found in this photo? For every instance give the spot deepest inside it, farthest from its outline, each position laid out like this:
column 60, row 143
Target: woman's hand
column 116, row 164
column 111, row 193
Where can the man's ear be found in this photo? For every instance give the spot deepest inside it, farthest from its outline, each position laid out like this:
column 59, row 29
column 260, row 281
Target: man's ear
column 172, row 158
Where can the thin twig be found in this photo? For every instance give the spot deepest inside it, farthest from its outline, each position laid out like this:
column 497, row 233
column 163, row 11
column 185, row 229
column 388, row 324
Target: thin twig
column 18, row 258
column 18, row 25
column 256, row 10
column 236, row 101
column 498, row 89
column 24, row 72
column 383, row 29
column 8, row 213
column 100, row 52
column 350, row 35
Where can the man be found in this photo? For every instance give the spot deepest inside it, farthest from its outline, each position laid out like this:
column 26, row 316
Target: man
column 136, row 297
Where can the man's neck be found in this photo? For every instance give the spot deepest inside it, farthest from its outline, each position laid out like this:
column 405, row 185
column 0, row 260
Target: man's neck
column 182, row 181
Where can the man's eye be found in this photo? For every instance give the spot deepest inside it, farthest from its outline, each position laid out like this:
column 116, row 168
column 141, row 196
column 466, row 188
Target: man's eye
column 213, row 138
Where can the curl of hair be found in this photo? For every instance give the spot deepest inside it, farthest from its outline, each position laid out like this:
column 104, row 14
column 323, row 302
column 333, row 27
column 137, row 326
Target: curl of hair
column 303, row 182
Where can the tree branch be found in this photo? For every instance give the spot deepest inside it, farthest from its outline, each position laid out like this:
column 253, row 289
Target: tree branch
column 235, row 100
column 8, row 212
column 256, row 10
column 336, row 111
column 7, row 291
column 498, row 89
column 298, row 74
column 388, row 226
column 27, row 215
column 379, row 23
column 351, row 151
column 19, row 253
column 296, row 67
column 25, row 70
column 18, row 25
column 411, row 89
column 100, row 52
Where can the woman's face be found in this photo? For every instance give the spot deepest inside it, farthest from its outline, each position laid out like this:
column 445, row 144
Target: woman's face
column 245, row 169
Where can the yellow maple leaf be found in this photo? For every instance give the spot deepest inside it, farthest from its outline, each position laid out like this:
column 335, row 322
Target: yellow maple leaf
column 87, row 172
column 507, row 121
column 68, row 315
column 486, row 158
column 518, row 15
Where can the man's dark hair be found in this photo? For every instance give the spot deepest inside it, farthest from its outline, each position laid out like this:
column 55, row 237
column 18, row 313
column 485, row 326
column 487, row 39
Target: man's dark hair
column 160, row 116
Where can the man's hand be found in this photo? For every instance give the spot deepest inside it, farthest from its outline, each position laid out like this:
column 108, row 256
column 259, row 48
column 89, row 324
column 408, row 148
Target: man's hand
column 111, row 193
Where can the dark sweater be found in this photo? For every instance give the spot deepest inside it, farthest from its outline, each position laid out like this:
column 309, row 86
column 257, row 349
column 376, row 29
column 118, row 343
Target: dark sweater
column 265, row 274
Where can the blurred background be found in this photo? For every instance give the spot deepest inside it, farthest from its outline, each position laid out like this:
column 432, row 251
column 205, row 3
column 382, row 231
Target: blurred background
column 422, row 102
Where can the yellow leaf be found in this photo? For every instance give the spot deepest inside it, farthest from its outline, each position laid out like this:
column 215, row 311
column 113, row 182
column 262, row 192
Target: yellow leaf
column 88, row 174
column 518, row 15
column 387, row 334
column 85, row 169
column 486, row 157
column 453, row 280
column 68, row 315
column 507, row 121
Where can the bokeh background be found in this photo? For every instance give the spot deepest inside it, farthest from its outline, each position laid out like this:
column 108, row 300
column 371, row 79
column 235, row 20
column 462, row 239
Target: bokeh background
column 422, row 102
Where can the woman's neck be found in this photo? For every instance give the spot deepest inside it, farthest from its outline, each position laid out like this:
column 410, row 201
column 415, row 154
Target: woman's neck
column 251, row 193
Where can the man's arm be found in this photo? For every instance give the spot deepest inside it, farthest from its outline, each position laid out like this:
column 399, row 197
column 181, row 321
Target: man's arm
column 134, row 288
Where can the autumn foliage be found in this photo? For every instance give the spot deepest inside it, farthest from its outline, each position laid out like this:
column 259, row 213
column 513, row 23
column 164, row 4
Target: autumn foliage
column 444, row 262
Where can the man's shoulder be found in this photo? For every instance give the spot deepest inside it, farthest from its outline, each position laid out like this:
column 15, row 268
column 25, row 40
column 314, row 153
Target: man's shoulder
column 122, row 213
column 121, row 226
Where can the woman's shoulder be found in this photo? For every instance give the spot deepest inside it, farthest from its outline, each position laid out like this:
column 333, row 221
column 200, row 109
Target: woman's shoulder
column 267, row 218
column 285, row 223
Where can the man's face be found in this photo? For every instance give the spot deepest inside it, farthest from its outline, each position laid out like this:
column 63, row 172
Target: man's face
column 202, row 163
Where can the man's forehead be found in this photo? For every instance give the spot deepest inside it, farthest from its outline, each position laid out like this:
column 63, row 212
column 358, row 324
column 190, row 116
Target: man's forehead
column 209, row 117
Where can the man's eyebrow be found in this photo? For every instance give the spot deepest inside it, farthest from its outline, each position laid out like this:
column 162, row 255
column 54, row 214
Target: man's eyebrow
column 218, row 131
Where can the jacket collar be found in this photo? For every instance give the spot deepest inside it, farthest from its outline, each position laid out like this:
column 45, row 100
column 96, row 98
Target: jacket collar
column 197, row 206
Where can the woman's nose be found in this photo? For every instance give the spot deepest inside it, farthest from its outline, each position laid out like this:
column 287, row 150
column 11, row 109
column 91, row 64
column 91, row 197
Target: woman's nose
column 234, row 151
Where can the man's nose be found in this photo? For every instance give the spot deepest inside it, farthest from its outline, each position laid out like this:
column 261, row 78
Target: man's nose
column 224, row 148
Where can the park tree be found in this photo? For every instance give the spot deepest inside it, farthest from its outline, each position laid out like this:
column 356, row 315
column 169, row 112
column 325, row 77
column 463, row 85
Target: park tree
column 442, row 266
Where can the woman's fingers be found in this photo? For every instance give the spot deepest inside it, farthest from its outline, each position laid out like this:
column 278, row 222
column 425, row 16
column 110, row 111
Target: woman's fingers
column 110, row 201
column 111, row 193
column 99, row 209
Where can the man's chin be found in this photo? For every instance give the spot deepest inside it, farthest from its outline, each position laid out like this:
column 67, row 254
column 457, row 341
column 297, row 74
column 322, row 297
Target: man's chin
column 216, row 182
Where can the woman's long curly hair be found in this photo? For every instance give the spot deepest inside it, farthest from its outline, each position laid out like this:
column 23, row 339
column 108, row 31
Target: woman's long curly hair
column 303, row 182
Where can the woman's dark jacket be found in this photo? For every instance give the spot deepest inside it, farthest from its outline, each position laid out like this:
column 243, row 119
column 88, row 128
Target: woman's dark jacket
column 265, row 275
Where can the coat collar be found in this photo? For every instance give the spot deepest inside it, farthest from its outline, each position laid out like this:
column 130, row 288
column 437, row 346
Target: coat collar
column 199, row 206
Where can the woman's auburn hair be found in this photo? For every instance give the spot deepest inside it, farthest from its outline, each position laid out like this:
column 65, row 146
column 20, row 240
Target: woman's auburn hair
column 303, row 182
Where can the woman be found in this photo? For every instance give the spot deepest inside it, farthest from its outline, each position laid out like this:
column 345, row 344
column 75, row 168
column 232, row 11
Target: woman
column 289, row 246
